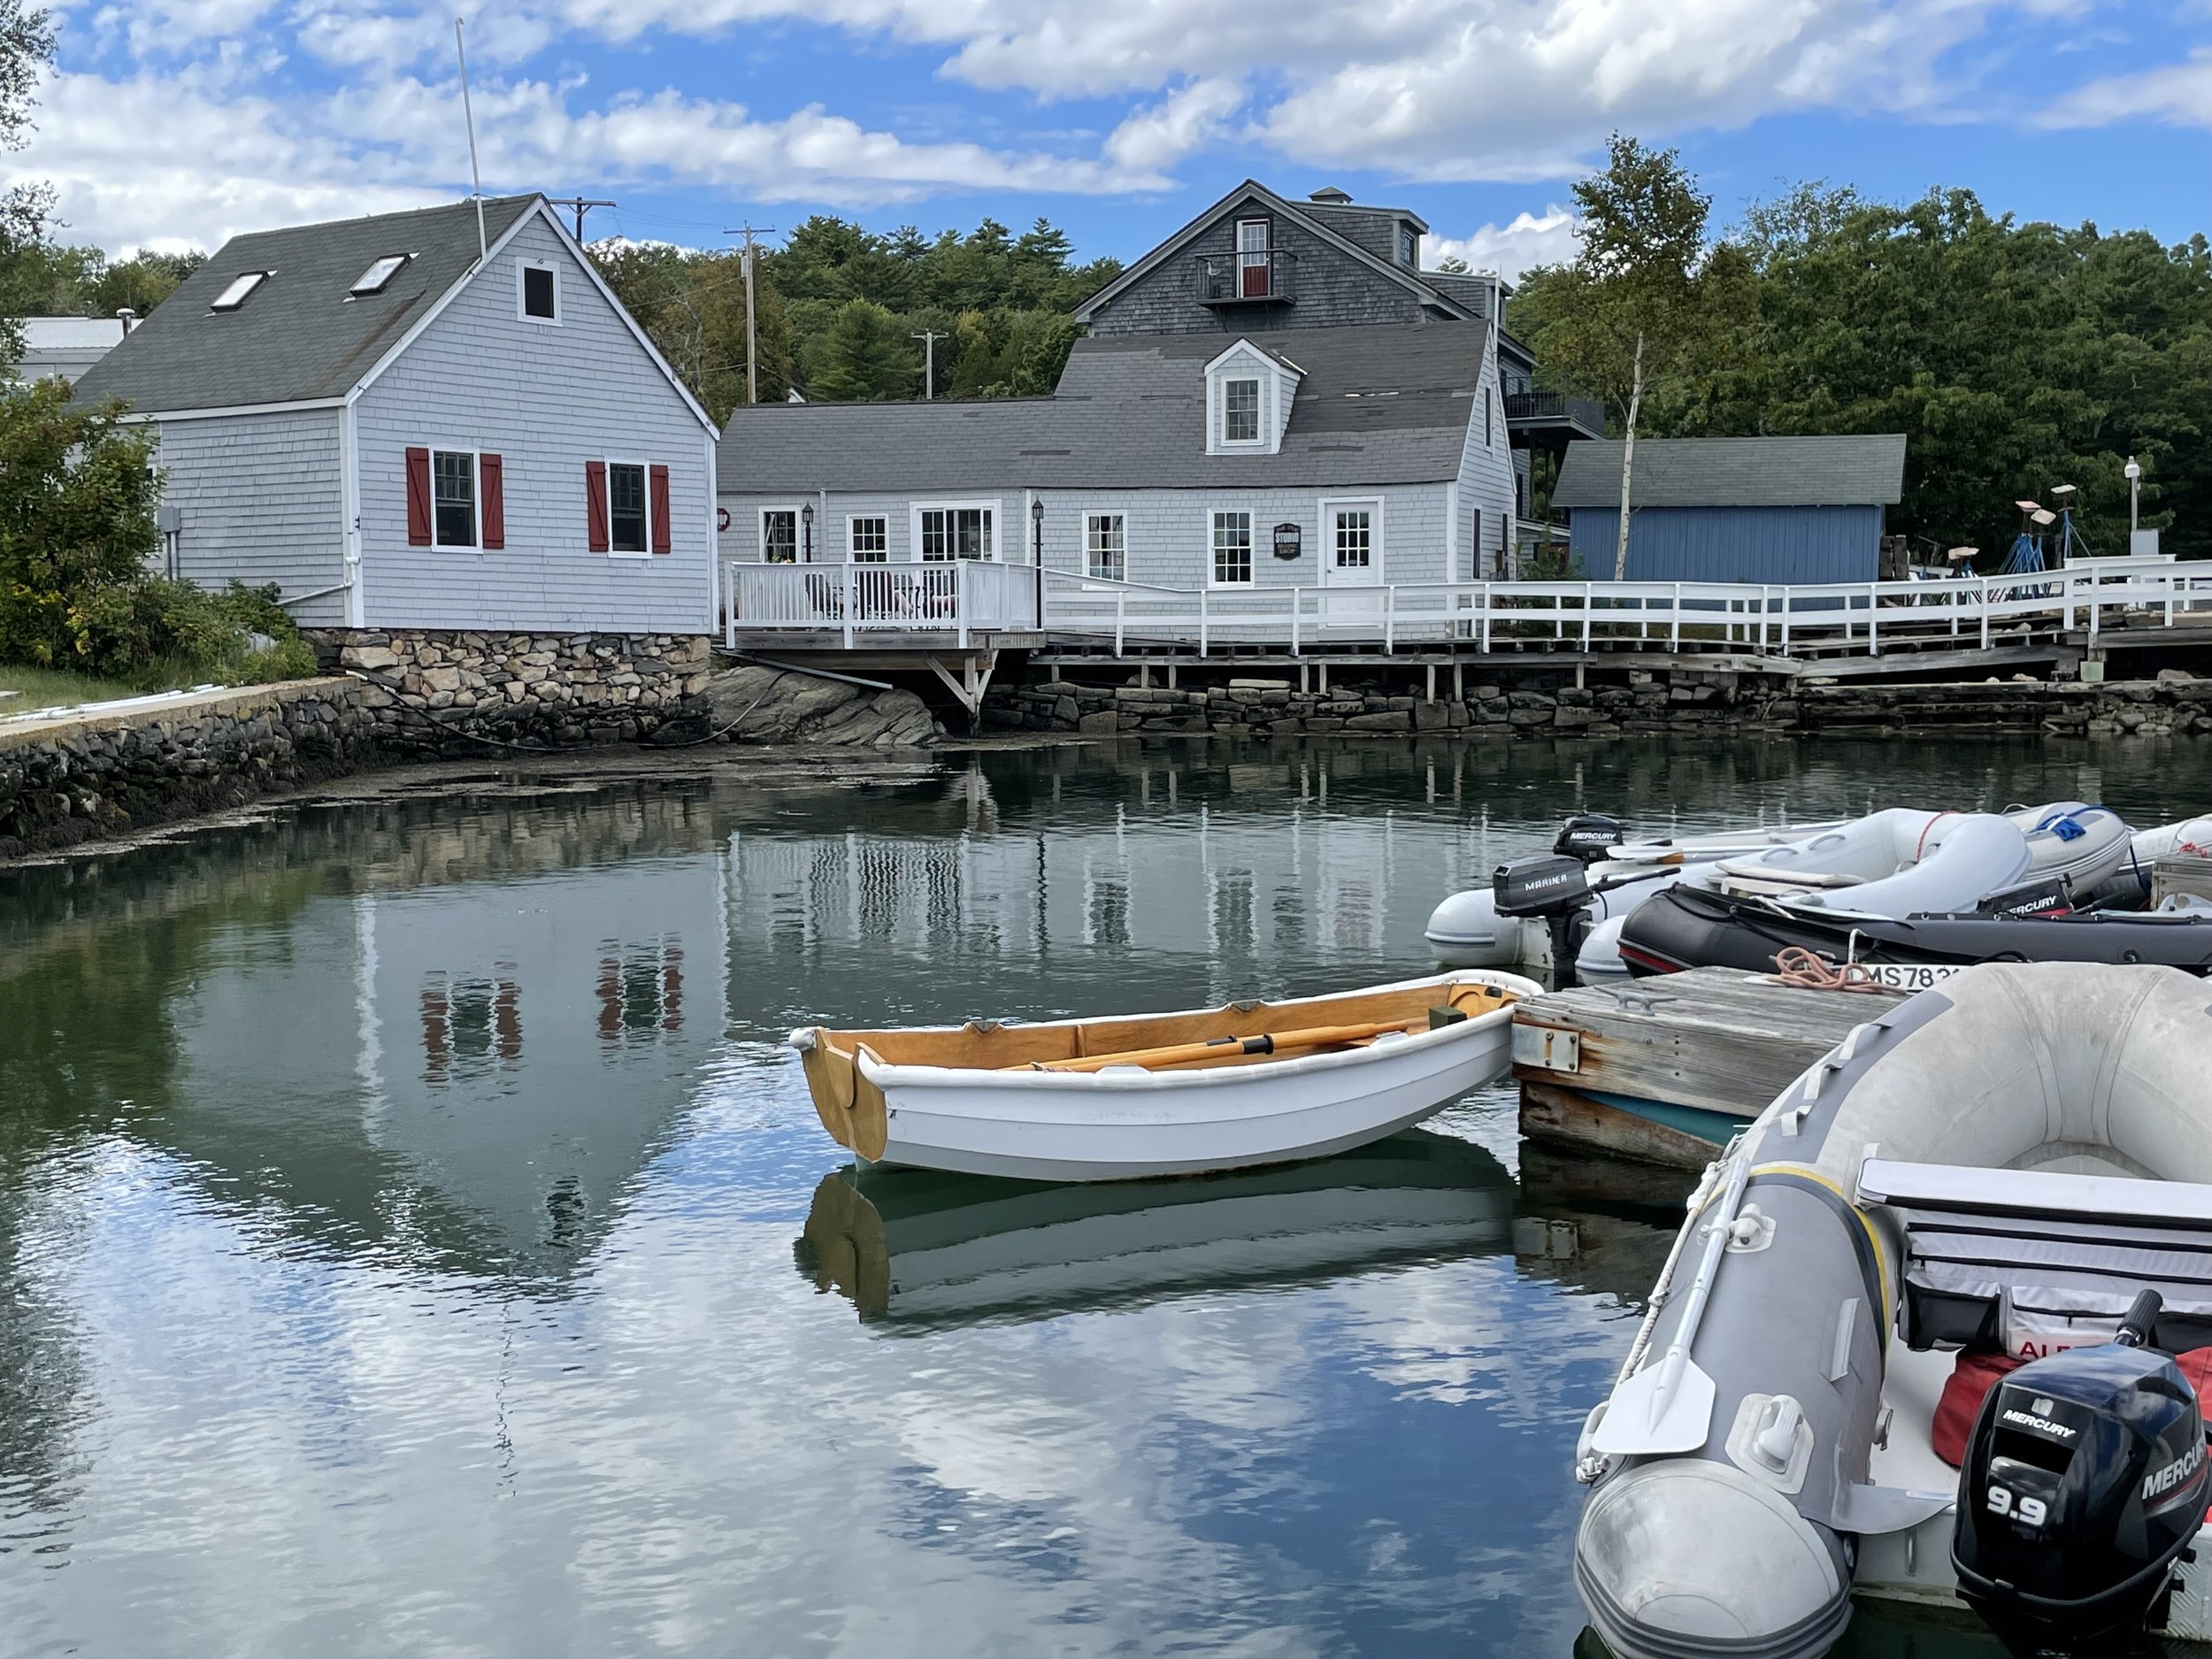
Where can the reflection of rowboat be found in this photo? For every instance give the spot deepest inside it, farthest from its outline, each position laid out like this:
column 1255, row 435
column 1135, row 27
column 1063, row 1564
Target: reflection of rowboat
column 1162, row 1094
column 927, row 1246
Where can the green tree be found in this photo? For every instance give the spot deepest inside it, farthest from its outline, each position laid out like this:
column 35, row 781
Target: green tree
column 691, row 305
column 866, row 355
column 1645, row 302
column 78, row 491
column 27, row 50
column 142, row 281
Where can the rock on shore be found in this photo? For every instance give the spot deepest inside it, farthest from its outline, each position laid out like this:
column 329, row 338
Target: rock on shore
column 756, row 704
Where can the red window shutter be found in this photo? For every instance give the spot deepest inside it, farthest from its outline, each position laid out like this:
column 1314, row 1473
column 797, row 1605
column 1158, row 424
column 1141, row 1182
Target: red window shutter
column 418, row 498
column 595, row 503
column 491, row 480
column 658, row 477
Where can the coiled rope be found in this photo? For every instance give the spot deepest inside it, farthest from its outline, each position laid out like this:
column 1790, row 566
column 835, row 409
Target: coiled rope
column 1809, row 970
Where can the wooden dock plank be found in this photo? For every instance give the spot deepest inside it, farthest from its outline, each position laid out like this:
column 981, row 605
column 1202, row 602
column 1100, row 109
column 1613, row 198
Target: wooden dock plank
column 1713, row 1039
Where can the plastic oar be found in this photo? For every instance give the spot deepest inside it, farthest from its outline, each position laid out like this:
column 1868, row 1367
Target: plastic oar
column 1219, row 1048
column 1669, row 1407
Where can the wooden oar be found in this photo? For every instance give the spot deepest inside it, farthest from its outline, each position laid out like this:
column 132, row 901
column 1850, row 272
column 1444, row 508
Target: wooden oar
column 1222, row 1048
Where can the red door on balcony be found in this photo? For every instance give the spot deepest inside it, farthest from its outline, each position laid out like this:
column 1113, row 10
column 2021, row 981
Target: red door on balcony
column 1252, row 261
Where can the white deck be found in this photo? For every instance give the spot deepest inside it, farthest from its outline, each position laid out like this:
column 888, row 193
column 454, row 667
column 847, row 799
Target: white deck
column 965, row 597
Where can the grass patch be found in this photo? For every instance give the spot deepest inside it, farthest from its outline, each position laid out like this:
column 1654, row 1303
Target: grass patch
column 48, row 687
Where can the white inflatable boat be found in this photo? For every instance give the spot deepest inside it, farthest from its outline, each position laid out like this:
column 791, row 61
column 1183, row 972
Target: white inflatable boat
column 1142, row 1095
column 1901, row 861
column 1934, row 1236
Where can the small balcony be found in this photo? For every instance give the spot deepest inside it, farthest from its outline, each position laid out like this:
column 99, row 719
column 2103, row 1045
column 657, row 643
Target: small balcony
column 1546, row 419
column 1266, row 277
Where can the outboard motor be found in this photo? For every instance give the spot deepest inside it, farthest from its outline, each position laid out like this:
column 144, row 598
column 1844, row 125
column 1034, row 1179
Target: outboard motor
column 2084, row 1482
column 1554, row 888
column 1589, row 836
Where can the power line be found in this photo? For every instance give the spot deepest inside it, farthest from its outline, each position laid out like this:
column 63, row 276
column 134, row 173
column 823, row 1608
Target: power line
column 580, row 205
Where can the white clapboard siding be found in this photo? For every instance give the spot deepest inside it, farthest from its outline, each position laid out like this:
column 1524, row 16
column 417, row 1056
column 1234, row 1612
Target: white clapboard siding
column 261, row 500
column 546, row 399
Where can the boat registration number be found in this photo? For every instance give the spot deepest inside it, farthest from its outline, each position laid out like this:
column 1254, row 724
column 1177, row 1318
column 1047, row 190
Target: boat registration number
column 1910, row 976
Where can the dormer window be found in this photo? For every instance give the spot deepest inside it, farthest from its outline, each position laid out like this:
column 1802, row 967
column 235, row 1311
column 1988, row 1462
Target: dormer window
column 1409, row 245
column 232, row 297
column 1241, row 411
column 378, row 276
column 1249, row 397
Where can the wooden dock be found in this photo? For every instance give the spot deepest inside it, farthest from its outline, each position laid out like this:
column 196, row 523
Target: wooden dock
column 1665, row 1070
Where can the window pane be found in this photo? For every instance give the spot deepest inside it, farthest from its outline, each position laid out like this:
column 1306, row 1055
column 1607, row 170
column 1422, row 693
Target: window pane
column 372, row 280
column 934, row 535
column 235, row 295
column 871, row 539
column 779, row 537
column 537, row 292
column 1241, row 411
column 1354, row 538
column 453, row 494
column 1232, row 547
column 1105, row 544
column 625, row 507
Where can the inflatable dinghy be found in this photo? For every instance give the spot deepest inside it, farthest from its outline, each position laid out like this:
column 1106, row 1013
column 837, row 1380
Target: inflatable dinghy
column 1930, row 1251
column 1686, row 928
column 1893, row 863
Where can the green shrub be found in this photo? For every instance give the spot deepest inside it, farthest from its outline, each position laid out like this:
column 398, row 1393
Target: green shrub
column 78, row 491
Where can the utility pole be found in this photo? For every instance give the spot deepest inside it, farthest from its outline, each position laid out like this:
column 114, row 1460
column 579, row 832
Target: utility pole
column 752, row 362
column 579, row 206
column 929, row 337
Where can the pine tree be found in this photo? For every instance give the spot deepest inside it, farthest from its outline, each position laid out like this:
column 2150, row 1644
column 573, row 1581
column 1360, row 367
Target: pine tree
column 867, row 356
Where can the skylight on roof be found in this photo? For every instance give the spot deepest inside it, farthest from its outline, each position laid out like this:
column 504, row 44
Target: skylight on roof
column 373, row 280
column 232, row 297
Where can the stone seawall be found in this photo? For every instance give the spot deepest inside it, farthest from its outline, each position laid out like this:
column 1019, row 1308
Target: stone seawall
column 552, row 690
column 1535, row 701
column 65, row 781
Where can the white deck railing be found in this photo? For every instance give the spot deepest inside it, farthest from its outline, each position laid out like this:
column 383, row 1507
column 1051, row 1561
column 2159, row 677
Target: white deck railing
column 956, row 598
column 1775, row 618
column 969, row 596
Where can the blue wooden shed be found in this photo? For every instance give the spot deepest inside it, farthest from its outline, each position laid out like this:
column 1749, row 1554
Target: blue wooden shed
column 1734, row 510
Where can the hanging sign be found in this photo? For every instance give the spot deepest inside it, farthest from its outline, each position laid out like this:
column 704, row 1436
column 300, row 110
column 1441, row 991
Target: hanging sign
column 1288, row 539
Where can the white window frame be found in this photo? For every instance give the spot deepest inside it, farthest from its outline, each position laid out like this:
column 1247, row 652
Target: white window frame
column 760, row 529
column 521, row 312
column 611, row 461
column 989, row 504
column 1251, row 549
column 476, row 510
column 1091, row 521
column 1258, row 383
column 1326, row 508
column 852, row 553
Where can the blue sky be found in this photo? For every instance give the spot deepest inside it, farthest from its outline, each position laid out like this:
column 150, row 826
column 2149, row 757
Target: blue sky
column 177, row 122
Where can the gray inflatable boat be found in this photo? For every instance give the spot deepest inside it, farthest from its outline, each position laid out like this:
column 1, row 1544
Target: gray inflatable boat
column 1997, row 1168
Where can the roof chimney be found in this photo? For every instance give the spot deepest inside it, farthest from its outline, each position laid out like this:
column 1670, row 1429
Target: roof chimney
column 1329, row 196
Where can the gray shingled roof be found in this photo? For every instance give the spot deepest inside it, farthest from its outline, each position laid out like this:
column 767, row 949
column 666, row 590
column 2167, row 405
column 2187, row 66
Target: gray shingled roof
column 1841, row 472
column 1130, row 413
column 297, row 336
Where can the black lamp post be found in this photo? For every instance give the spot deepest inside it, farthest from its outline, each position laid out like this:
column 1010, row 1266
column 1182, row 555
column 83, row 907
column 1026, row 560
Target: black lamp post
column 1037, row 541
column 806, row 530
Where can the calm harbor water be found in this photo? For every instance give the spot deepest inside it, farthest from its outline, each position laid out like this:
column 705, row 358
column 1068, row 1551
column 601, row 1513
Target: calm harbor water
column 414, row 1237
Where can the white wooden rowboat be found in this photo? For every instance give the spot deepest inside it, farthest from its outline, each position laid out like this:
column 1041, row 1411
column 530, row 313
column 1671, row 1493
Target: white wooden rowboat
column 992, row 1099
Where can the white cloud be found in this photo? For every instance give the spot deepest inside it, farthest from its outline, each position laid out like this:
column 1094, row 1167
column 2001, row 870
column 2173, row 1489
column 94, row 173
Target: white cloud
column 1177, row 127
column 1512, row 249
column 2179, row 94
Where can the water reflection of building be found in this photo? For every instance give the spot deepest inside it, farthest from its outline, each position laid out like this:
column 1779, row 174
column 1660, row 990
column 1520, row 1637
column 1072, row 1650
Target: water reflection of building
column 490, row 1061
column 1223, row 884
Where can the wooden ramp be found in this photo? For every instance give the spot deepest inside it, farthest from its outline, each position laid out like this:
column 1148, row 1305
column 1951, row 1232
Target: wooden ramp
column 1666, row 1069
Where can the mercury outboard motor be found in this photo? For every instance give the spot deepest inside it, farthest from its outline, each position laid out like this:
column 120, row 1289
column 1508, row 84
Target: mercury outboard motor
column 1589, row 836
column 2085, row 1481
